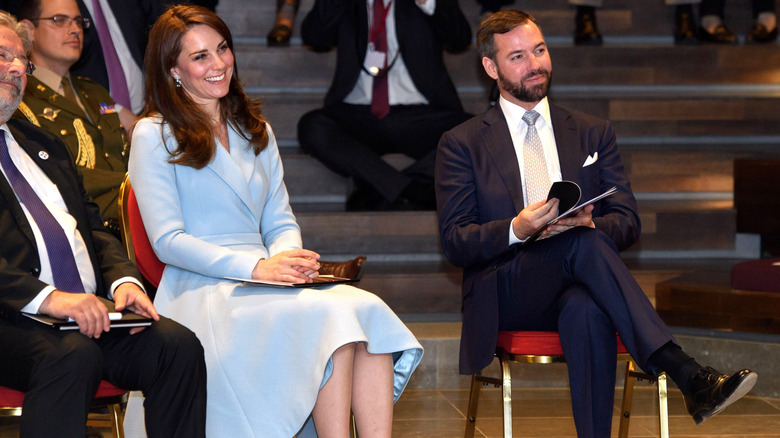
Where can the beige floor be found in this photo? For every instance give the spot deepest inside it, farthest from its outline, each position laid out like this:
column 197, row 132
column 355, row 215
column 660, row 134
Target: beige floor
column 547, row 413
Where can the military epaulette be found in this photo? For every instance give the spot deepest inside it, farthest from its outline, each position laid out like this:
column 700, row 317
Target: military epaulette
column 24, row 109
column 84, row 78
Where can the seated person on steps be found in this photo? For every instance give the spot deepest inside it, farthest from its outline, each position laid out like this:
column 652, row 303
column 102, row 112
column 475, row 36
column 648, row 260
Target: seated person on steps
column 391, row 93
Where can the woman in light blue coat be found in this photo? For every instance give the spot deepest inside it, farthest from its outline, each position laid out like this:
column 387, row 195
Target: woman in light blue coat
column 209, row 181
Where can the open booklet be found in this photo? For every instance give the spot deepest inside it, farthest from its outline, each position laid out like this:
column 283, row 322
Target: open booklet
column 122, row 319
column 568, row 194
column 322, row 280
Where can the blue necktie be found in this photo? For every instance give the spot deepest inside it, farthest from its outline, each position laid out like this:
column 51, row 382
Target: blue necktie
column 61, row 258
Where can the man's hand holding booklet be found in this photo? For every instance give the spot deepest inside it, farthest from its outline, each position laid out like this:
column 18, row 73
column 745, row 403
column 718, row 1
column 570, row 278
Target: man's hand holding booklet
column 568, row 194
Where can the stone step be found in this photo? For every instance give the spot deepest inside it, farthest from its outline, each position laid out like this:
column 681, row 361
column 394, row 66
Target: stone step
column 662, row 174
column 251, row 18
column 672, row 114
column 632, row 64
column 673, row 225
column 628, row 64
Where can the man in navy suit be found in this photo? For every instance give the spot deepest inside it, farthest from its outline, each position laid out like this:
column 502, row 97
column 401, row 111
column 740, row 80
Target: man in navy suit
column 489, row 172
column 57, row 259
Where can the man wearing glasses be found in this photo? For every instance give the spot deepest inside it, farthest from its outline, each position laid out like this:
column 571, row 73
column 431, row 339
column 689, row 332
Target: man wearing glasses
column 76, row 109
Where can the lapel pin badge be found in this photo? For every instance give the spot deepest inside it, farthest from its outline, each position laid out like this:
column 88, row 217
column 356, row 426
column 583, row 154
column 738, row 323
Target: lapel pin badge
column 43, row 155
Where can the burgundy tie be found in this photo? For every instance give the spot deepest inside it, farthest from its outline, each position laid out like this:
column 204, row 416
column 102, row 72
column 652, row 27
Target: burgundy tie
column 116, row 76
column 63, row 262
column 380, row 101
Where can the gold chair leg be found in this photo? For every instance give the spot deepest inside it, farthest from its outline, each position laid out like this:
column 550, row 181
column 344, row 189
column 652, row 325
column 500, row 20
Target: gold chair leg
column 628, row 399
column 117, row 420
column 352, row 426
column 506, row 389
column 663, row 406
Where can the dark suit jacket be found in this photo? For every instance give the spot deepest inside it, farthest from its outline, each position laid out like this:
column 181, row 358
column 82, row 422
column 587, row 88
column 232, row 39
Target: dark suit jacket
column 478, row 193
column 19, row 261
column 421, row 40
column 135, row 18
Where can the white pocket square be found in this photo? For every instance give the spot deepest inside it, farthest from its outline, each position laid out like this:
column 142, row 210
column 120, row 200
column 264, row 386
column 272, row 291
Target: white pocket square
column 591, row 159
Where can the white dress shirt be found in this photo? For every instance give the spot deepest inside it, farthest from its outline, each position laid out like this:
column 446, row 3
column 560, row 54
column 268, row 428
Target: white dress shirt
column 518, row 128
column 401, row 89
column 50, row 196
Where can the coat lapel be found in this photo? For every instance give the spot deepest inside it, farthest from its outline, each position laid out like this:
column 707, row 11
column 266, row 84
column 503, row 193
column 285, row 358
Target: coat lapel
column 498, row 142
column 570, row 154
column 228, row 171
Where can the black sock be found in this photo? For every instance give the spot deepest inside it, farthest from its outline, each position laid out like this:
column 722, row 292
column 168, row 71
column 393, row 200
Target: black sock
column 678, row 365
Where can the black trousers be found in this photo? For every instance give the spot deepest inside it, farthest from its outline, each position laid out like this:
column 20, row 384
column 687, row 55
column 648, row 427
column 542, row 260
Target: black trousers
column 576, row 284
column 350, row 141
column 716, row 7
column 59, row 371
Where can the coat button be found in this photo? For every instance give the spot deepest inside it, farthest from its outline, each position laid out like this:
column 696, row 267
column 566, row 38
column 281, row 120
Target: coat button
column 63, row 132
column 35, row 271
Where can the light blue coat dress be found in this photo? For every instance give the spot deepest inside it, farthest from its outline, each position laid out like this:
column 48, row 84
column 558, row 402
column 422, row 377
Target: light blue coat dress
column 267, row 350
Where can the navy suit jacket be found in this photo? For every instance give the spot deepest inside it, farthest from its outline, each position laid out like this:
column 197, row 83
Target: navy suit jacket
column 479, row 192
column 19, row 261
column 421, row 40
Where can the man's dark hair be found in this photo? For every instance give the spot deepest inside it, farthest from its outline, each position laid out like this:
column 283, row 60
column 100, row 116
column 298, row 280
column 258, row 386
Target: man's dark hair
column 29, row 10
column 499, row 22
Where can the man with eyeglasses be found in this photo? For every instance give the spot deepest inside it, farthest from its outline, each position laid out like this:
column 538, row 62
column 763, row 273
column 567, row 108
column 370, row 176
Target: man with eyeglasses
column 76, row 109
column 56, row 259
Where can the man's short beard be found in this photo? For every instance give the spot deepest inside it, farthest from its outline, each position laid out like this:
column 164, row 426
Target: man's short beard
column 526, row 94
column 8, row 107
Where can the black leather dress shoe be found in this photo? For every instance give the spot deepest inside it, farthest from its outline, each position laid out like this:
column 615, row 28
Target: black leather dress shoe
column 279, row 35
column 586, row 32
column 760, row 35
column 722, row 35
column 685, row 29
column 711, row 392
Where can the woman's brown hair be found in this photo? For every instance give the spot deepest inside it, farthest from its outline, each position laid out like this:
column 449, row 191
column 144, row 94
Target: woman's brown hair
column 192, row 127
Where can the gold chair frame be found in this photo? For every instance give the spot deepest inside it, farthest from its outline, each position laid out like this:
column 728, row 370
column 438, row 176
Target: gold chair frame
column 505, row 382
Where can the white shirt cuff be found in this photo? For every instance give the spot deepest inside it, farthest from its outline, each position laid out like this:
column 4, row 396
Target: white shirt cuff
column 35, row 304
column 116, row 284
column 512, row 238
column 427, row 6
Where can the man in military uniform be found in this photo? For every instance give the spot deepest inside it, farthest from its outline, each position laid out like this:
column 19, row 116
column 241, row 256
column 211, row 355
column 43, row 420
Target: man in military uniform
column 79, row 111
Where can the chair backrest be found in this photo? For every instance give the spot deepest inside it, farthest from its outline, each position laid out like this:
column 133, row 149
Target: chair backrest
column 136, row 242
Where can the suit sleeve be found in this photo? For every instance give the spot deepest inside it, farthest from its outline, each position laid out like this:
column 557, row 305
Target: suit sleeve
column 320, row 27
column 112, row 261
column 617, row 214
column 465, row 239
column 451, row 26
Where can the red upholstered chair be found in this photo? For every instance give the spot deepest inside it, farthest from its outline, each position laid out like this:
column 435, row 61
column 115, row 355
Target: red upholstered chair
column 757, row 275
column 545, row 348
column 134, row 237
column 107, row 396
